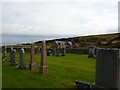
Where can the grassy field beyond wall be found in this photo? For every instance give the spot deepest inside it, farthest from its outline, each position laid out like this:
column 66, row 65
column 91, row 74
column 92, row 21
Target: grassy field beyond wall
column 62, row 72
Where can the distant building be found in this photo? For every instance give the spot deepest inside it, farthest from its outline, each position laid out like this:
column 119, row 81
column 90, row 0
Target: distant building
column 61, row 44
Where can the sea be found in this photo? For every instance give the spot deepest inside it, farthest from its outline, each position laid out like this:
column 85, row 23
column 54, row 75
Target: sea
column 20, row 39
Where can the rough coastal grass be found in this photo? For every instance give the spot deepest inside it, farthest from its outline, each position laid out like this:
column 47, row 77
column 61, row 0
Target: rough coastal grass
column 62, row 72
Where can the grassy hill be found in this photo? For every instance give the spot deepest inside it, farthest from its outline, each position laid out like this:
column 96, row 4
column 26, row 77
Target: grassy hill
column 99, row 41
column 104, row 41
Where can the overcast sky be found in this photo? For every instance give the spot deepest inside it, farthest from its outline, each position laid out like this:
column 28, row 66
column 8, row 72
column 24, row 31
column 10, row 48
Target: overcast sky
column 59, row 17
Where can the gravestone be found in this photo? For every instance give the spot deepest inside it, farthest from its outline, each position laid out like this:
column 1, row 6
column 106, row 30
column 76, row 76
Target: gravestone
column 11, row 54
column 57, row 52
column 43, row 67
column 108, row 69
column 48, row 52
column 53, row 51
column 82, row 85
column 37, row 50
column 63, row 51
column 91, row 52
column 32, row 58
column 4, row 53
column 13, row 62
column 22, row 59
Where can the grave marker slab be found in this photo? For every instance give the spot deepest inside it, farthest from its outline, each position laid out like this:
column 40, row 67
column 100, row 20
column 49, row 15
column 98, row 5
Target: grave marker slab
column 63, row 51
column 108, row 69
column 57, row 52
column 53, row 51
column 91, row 52
column 14, row 58
column 11, row 54
column 4, row 53
column 22, row 59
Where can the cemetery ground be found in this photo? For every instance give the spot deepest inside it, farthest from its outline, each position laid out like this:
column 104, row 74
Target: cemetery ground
column 62, row 72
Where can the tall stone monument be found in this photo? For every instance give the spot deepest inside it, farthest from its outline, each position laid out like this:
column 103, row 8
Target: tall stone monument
column 108, row 69
column 43, row 67
column 32, row 58
column 22, row 59
column 4, row 53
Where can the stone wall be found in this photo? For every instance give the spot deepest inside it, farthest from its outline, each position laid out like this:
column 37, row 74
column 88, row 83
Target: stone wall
column 77, row 51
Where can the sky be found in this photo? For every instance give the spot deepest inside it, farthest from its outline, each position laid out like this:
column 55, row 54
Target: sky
column 33, row 20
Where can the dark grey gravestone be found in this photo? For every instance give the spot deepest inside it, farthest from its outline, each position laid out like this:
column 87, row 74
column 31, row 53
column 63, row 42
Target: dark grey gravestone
column 108, row 69
column 48, row 52
column 11, row 54
column 53, row 52
column 4, row 53
column 22, row 59
column 63, row 51
column 91, row 52
column 82, row 85
column 14, row 58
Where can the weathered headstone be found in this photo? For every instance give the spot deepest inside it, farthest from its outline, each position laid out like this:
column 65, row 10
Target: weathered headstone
column 57, row 52
column 32, row 58
column 4, row 53
column 43, row 67
column 91, row 52
column 11, row 54
column 13, row 62
column 63, row 51
column 48, row 52
column 82, row 85
column 53, row 51
column 37, row 50
column 108, row 69
column 22, row 59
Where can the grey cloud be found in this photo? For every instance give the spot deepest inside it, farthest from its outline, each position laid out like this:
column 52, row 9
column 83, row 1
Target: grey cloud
column 64, row 18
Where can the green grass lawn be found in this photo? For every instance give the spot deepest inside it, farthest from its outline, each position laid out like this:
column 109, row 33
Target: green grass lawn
column 62, row 72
